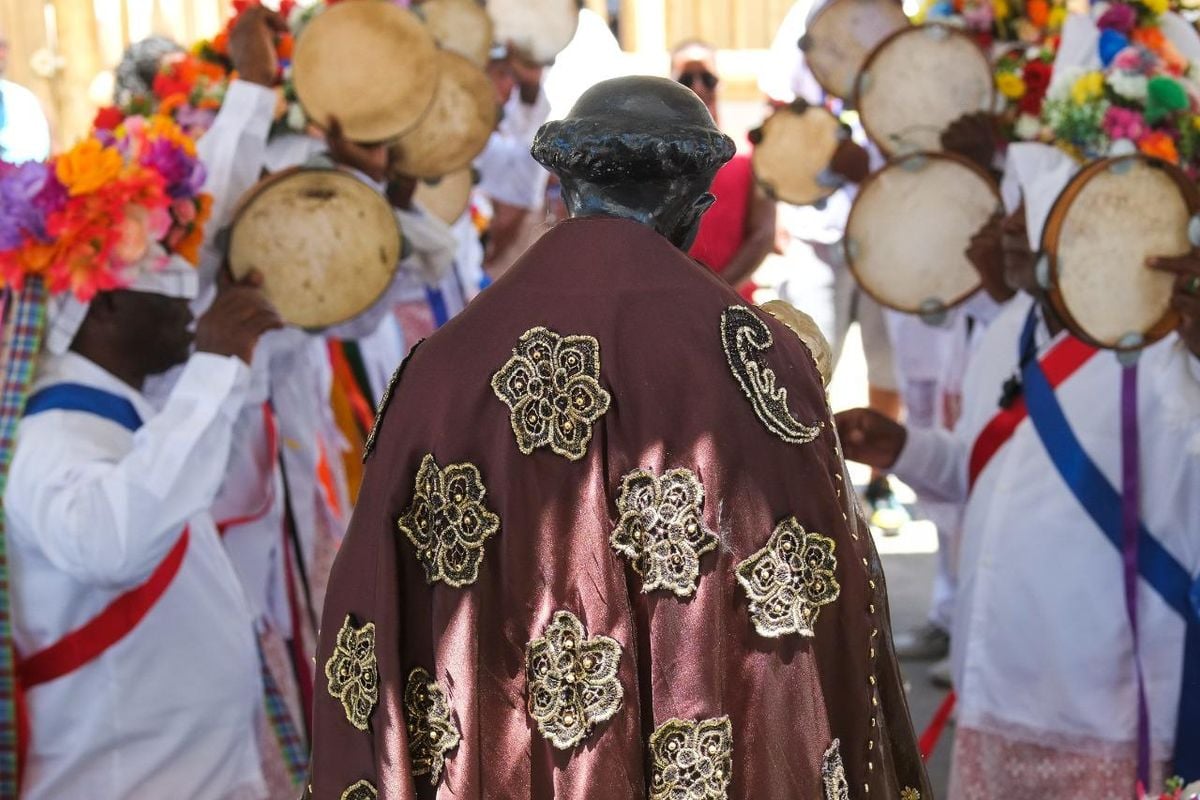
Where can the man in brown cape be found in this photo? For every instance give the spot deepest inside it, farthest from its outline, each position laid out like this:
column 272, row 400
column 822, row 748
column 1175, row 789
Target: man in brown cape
column 605, row 546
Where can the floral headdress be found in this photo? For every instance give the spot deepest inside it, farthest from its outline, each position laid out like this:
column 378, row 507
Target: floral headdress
column 999, row 22
column 1142, row 98
column 86, row 220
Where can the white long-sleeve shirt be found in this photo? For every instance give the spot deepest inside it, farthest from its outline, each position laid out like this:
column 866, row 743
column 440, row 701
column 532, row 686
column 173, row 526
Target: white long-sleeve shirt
column 169, row 710
column 1042, row 644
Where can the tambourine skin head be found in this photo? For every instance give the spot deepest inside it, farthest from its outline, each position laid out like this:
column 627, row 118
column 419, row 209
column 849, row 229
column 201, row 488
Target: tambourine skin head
column 793, row 154
column 369, row 63
column 326, row 244
column 841, row 36
column 1114, row 215
column 448, row 198
column 457, row 125
column 917, row 82
column 537, row 29
column 460, row 26
column 909, row 229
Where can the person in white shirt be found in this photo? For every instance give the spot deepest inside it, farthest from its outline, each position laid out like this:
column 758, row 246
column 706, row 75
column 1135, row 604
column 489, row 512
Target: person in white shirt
column 135, row 641
column 24, row 132
column 1043, row 656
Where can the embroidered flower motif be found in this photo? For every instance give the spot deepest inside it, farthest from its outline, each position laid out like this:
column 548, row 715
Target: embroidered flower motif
column 744, row 335
column 910, row 793
column 552, row 386
column 692, row 760
column 833, row 773
column 360, row 791
column 352, row 673
column 431, row 732
column 573, row 682
column 662, row 529
column 448, row 522
column 789, row 580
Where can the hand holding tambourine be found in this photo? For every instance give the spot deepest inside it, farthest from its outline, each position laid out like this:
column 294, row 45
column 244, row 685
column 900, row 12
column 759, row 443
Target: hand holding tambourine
column 1186, row 297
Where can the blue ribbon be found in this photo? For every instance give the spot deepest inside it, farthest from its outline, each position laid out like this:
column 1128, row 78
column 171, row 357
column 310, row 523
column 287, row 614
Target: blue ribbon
column 1170, row 579
column 437, row 302
column 88, row 399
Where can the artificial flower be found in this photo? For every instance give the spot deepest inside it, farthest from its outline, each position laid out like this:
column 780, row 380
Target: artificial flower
column 1088, row 87
column 1131, row 87
column 1011, row 85
column 1125, row 123
column 1111, row 43
column 1038, row 12
column 1061, row 82
column 1119, row 17
column 1028, row 127
column 108, row 118
column 88, row 166
column 1164, row 96
column 1159, row 145
column 1157, row 7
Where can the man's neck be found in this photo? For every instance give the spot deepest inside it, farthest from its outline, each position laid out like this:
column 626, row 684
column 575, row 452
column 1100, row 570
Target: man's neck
column 130, row 374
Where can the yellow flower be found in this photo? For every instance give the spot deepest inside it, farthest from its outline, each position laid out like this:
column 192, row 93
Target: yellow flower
column 1011, row 85
column 1056, row 19
column 1157, row 7
column 1000, row 9
column 1087, row 88
column 88, row 166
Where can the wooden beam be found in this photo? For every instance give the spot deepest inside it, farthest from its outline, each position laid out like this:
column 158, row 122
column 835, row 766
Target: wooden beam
column 79, row 43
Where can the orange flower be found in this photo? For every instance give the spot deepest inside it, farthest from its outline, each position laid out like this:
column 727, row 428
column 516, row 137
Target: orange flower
column 285, row 46
column 1159, row 145
column 189, row 246
column 1038, row 12
column 163, row 127
column 88, row 166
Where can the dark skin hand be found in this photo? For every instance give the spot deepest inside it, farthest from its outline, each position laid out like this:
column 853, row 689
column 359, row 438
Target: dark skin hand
column 528, row 76
column 974, row 137
column 370, row 159
column 237, row 319
column 252, row 45
column 987, row 256
column 870, row 438
column 851, row 160
column 1186, row 297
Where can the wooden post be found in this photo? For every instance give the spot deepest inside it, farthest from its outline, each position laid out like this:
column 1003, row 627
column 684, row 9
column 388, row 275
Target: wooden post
column 79, row 45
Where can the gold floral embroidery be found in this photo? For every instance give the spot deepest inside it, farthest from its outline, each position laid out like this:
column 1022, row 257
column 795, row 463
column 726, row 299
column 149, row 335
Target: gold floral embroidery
column 692, row 760
column 360, row 791
column 431, row 732
column 573, row 682
column 552, row 387
column 448, row 522
column 743, row 335
column 789, row 580
column 910, row 793
column 833, row 773
column 369, row 446
column 352, row 674
column 662, row 529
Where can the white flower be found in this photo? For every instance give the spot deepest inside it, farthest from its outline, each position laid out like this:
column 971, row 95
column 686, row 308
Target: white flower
column 1129, row 86
column 1028, row 127
column 296, row 120
column 1063, row 80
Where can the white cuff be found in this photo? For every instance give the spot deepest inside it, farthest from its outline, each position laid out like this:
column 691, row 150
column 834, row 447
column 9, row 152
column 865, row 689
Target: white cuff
column 253, row 103
column 220, row 381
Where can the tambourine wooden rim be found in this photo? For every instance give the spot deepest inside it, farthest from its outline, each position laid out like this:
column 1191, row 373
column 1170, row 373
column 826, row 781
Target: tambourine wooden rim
column 537, row 29
column 780, row 189
column 239, row 265
column 942, row 29
column 849, row 246
column 460, row 26
column 449, row 198
column 1052, row 239
column 369, row 63
column 826, row 81
column 457, row 126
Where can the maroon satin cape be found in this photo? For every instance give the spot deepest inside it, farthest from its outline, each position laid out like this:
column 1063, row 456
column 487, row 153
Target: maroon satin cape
column 675, row 403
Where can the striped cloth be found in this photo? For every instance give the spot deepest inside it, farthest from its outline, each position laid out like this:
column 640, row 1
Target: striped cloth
column 291, row 744
column 24, row 324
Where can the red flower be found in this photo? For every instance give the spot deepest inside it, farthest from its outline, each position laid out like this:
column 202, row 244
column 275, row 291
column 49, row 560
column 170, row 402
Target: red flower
column 1037, row 76
column 108, row 118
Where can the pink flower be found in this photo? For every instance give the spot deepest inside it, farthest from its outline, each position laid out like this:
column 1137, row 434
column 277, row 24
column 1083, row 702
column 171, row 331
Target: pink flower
column 1119, row 17
column 1123, row 123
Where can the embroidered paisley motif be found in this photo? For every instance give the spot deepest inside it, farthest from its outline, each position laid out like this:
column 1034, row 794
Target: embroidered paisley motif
column 789, row 580
column 360, row 791
column 448, row 522
column 572, row 680
column 910, row 793
column 744, row 336
column 552, row 388
column 692, row 760
column 352, row 674
column 662, row 529
column 431, row 732
column 833, row 773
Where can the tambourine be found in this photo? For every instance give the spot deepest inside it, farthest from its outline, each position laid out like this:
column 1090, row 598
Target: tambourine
column 909, row 228
column 460, row 26
column 792, row 153
column 537, row 29
column 1115, row 214
column 457, row 125
column 447, row 198
column 917, row 82
column 841, row 36
column 369, row 63
column 326, row 244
